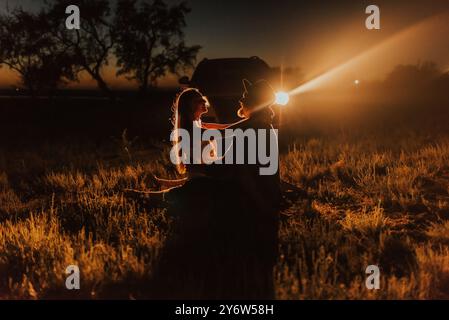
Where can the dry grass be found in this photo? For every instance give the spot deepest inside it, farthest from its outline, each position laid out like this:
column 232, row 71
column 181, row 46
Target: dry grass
column 438, row 232
column 369, row 201
column 365, row 222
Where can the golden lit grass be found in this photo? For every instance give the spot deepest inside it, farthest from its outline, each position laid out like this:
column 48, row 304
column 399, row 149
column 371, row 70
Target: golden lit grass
column 369, row 201
column 324, row 262
column 36, row 252
column 398, row 177
column 439, row 232
column 86, row 222
column 365, row 222
column 433, row 273
column 370, row 196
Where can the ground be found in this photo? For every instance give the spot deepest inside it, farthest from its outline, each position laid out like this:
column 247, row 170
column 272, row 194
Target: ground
column 365, row 200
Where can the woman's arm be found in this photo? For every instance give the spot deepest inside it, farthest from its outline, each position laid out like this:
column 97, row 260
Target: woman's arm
column 170, row 183
column 152, row 198
column 220, row 126
column 215, row 126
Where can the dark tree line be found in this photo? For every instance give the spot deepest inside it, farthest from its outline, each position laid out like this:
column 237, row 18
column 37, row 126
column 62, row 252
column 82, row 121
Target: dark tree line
column 143, row 38
column 417, row 75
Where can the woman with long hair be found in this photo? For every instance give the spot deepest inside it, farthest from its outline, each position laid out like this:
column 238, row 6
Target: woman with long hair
column 211, row 253
column 188, row 108
column 229, row 223
column 192, row 261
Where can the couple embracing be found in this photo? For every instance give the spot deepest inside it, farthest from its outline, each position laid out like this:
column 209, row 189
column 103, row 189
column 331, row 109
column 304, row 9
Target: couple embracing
column 226, row 242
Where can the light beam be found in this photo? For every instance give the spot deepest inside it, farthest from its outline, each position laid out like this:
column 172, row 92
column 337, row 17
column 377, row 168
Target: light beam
column 326, row 76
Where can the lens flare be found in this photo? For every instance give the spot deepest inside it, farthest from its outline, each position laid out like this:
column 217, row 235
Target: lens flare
column 282, row 98
column 370, row 53
column 332, row 74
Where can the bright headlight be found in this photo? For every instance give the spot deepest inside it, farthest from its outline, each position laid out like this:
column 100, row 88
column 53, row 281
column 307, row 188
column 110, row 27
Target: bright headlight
column 282, row 98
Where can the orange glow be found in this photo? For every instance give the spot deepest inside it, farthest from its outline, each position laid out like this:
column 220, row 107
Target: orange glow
column 375, row 56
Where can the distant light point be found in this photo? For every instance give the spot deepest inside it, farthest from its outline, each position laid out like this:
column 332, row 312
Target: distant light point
column 356, row 82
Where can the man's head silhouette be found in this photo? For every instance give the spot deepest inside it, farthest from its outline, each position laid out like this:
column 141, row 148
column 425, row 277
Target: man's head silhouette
column 256, row 96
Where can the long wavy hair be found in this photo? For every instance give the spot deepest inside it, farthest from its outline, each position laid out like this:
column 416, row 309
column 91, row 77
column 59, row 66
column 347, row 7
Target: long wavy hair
column 183, row 117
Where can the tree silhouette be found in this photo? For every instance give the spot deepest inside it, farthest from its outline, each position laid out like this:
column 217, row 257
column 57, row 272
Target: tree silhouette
column 93, row 43
column 150, row 40
column 27, row 47
column 146, row 36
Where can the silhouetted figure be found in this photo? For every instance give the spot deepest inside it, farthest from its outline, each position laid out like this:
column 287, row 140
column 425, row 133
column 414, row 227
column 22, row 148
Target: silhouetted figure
column 193, row 263
column 224, row 245
column 260, row 218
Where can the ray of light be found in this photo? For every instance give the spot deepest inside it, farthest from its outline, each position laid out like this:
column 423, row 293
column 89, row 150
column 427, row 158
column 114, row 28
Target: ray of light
column 330, row 74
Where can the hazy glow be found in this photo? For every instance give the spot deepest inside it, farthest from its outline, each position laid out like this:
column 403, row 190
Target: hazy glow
column 370, row 60
column 282, row 98
column 372, row 56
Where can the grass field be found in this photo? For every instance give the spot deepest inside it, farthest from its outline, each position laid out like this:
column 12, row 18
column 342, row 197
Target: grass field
column 367, row 200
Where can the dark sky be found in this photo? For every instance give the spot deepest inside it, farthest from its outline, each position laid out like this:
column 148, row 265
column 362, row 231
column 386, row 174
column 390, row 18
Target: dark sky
column 313, row 35
column 293, row 31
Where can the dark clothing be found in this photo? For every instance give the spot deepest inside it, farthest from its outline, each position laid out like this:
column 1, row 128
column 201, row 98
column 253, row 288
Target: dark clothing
column 226, row 242
column 260, row 218
column 208, row 256
column 264, row 190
